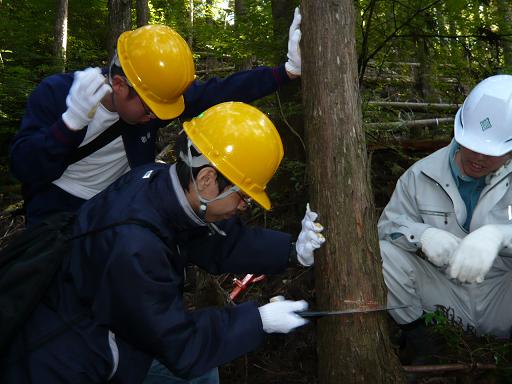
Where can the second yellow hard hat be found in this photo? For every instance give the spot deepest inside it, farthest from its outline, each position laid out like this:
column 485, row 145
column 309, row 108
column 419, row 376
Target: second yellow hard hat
column 159, row 64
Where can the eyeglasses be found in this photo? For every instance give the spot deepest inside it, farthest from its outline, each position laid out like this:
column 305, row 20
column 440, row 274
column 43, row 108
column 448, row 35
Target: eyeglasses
column 147, row 110
column 246, row 199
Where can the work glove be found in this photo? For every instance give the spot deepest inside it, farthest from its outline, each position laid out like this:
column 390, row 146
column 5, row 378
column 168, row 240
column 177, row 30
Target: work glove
column 86, row 92
column 293, row 65
column 279, row 316
column 309, row 238
column 438, row 245
column 477, row 251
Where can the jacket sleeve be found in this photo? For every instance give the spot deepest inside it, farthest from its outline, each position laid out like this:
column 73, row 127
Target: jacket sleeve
column 39, row 150
column 139, row 296
column 401, row 222
column 245, row 86
column 242, row 250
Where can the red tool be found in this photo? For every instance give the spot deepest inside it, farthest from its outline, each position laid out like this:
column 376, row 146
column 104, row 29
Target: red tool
column 242, row 285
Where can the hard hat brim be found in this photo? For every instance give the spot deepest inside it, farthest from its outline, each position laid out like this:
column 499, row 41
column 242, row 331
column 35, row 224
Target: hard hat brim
column 261, row 198
column 166, row 111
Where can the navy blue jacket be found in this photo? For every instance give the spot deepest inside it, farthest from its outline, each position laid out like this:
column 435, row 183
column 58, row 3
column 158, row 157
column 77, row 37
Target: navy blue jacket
column 129, row 280
column 40, row 149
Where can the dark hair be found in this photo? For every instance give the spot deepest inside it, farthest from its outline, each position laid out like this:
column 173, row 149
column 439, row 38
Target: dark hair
column 117, row 70
column 183, row 170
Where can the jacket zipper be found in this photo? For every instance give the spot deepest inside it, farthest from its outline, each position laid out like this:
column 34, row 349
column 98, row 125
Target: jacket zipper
column 453, row 205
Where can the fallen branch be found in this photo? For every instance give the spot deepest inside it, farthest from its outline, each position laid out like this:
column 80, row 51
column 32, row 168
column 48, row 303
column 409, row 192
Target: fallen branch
column 436, row 368
column 415, row 106
column 424, row 145
column 411, row 123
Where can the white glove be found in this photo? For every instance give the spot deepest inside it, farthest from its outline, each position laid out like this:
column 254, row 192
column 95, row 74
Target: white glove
column 86, row 92
column 280, row 317
column 438, row 245
column 293, row 65
column 477, row 251
column 309, row 238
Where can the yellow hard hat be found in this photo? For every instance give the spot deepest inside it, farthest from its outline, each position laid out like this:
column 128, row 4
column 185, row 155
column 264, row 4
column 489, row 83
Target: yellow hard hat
column 242, row 143
column 159, row 65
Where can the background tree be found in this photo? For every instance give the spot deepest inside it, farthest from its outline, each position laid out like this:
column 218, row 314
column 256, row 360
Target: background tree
column 120, row 20
column 348, row 270
column 142, row 9
column 61, row 33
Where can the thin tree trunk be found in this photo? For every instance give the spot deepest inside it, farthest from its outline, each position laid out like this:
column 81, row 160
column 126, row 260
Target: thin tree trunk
column 142, row 10
column 348, row 272
column 240, row 17
column 61, row 33
column 119, row 21
column 505, row 22
column 190, row 38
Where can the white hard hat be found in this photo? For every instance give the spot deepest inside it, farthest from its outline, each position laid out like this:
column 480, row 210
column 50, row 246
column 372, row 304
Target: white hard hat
column 484, row 122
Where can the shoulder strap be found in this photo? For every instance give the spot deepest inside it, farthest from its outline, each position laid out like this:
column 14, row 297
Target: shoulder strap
column 106, row 137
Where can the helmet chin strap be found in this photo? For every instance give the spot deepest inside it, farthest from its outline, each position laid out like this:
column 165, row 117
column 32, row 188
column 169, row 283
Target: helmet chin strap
column 198, row 161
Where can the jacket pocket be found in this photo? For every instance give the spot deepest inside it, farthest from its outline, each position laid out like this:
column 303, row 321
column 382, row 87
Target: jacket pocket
column 436, row 217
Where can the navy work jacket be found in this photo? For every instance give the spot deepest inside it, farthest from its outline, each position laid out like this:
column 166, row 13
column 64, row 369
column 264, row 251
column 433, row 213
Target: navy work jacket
column 125, row 284
column 40, row 150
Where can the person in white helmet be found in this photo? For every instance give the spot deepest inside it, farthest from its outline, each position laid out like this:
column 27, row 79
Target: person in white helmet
column 454, row 207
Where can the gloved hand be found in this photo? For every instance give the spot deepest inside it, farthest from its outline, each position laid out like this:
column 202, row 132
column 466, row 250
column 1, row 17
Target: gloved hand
column 280, row 317
column 438, row 245
column 293, row 65
column 86, row 92
column 477, row 251
column 309, row 238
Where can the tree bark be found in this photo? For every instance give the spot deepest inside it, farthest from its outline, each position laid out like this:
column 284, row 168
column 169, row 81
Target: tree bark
column 142, row 9
column 61, row 33
column 119, row 20
column 348, row 274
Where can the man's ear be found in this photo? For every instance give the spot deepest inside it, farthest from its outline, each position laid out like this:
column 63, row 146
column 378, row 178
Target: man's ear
column 206, row 178
column 119, row 86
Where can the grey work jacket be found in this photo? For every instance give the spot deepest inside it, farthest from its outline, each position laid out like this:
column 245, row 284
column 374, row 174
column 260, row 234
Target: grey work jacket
column 426, row 195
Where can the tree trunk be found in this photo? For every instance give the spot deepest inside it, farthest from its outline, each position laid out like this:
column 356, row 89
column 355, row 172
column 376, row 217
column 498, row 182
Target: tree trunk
column 190, row 38
column 240, row 18
column 142, row 12
column 505, row 22
column 119, row 21
column 61, row 33
column 354, row 349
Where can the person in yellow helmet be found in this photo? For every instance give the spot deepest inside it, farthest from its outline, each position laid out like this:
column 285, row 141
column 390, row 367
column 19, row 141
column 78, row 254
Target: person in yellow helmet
column 127, row 277
column 83, row 130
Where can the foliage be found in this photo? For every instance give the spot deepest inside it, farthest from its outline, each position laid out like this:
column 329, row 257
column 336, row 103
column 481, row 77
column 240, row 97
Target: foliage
column 465, row 346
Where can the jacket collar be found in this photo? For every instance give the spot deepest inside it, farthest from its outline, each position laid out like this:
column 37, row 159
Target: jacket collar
column 182, row 199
